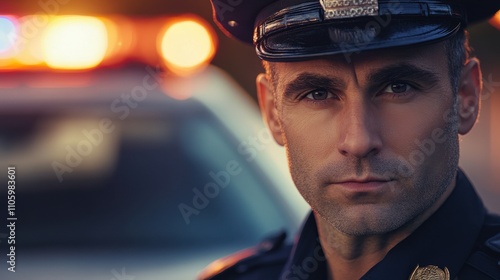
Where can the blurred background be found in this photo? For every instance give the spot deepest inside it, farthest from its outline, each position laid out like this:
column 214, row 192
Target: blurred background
column 138, row 146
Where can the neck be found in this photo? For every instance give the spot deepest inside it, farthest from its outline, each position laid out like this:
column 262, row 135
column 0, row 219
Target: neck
column 350, row 257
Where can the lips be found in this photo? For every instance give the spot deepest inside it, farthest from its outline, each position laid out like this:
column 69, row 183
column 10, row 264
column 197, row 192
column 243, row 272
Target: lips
column 362, row 185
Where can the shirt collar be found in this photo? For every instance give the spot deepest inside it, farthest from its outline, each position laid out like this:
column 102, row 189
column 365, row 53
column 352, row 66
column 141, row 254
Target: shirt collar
column 444, row 240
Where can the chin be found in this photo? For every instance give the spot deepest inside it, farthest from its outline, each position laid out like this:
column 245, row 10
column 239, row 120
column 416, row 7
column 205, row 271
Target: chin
column 362, row 220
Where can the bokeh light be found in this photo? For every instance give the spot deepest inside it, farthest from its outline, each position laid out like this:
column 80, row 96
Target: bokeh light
column 187, row 45
column 74, row 42
column 8, row 36
column 121, row 38
column 31, row 27
column 495, row 20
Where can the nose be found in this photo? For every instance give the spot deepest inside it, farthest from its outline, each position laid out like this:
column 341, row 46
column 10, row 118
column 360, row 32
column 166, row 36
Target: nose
column 360, row 130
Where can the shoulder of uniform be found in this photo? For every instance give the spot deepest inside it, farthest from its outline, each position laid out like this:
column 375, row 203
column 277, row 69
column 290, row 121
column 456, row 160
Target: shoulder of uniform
column 492, row 224
column 486, row 257
column 494, row 243
column 269, row 255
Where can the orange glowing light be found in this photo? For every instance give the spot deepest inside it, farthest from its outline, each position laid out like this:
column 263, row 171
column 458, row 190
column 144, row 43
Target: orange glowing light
column 31, row 28
column 495, row 20
column 74, row 42
column 121, row 37
column 187, row 45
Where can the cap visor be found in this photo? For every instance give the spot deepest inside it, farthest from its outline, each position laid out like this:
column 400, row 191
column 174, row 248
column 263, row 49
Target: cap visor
column 352, row 37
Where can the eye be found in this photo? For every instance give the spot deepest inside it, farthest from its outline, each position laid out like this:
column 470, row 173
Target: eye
column 397, row 87
column 319, row 94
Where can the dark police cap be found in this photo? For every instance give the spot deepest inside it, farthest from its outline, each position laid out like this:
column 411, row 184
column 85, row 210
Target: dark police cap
column 287, row 30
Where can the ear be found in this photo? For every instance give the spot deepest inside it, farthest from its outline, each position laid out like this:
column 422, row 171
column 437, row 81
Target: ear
column 268, row 107
column 469, row 94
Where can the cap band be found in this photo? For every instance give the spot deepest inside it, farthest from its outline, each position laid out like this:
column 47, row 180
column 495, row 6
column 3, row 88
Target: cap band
column 349, row 8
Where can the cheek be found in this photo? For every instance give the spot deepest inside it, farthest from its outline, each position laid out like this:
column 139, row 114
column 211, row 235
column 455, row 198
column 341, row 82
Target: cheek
column 421, row 133
column 309, row 133
column 308, row 138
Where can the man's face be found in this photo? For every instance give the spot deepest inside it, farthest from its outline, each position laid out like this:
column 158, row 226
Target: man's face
column 372, row 143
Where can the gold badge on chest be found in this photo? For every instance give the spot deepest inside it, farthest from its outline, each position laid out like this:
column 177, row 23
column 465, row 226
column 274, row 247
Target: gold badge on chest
column 430, row 272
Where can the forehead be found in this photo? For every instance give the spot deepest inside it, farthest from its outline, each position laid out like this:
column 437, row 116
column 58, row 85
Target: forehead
column 431, row 57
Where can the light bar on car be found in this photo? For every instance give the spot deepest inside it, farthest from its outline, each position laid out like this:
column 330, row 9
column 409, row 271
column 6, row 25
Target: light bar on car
column 74, row 42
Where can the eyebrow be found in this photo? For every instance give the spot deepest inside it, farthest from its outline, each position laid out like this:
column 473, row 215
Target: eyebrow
column 307, row 81
column 401, row 72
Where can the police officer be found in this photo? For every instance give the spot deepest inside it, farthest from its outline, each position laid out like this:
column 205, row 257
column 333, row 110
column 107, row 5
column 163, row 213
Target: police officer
column 369, row 98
